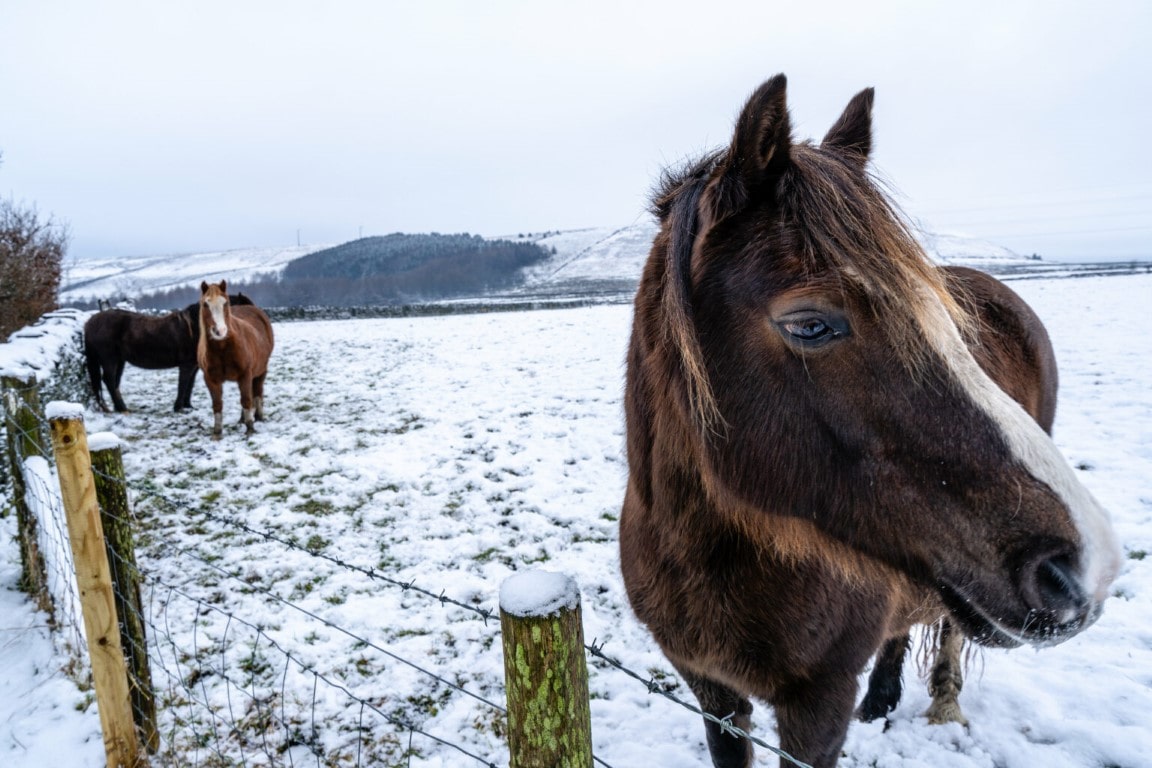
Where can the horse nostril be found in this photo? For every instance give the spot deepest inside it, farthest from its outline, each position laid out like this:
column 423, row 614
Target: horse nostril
column 1056, row 587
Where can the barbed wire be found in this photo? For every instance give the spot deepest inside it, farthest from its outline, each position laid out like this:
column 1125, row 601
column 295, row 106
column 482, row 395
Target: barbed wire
column 725, row 723
column 596, row 651
column 147, row 490
column 260, row 632
column 331, row 625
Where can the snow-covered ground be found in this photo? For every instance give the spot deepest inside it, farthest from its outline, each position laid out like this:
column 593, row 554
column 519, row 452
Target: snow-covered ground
column 453, row 451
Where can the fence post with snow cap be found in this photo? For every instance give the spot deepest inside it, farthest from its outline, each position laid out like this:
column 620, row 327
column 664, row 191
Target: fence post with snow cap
column 116, row 518
column 94, row 579
column 546, row 675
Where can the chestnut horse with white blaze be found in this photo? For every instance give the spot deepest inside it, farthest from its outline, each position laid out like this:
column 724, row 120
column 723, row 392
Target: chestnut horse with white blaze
column 235, row 344
column 830, row 440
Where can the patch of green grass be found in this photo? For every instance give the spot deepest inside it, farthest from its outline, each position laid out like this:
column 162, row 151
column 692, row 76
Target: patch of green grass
column 1137, row 554
column 210, row 474
column 541, row 557
column 315, row 507
column 316, row 543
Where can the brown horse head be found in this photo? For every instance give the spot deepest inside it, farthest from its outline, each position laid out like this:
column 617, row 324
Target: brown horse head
column 826, row 441
column 215, row 310
column 821, row 364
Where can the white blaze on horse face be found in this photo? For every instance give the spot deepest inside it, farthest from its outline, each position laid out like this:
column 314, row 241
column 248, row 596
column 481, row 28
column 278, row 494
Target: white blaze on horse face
column 1100, row 556
column 219, row 329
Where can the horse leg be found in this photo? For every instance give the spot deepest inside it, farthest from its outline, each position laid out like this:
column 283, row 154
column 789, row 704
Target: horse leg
column 94, row 380
column 727, row 750
column 258, row 396
column 247, row 414
column 947, row 680
column 112, row 376
column 216, row 391
column 884, row 684
column 184, row 387
column 812, row 717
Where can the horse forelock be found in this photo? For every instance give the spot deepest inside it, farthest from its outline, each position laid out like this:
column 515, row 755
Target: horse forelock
column 836, row 224
column 844, row 224
column 214, row 303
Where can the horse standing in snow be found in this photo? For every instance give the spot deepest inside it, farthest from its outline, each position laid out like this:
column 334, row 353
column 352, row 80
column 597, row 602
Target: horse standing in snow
column 830, row 440
column 116, row 337
column 235, row 344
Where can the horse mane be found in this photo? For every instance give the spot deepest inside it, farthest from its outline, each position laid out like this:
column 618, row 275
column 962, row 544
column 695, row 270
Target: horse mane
column 836, row 219
column 677, row 204
column 847, row 224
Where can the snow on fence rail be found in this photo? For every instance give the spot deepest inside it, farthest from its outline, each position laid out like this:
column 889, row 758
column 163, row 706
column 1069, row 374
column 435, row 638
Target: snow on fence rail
column 207, row 684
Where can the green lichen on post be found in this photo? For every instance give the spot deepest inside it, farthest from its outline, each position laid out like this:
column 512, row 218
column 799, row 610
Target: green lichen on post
column 116, row 519
column 549, row 721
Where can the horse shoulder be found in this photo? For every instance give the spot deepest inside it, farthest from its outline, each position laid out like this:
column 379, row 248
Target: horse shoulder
column 257, row 322
column 1013, row 346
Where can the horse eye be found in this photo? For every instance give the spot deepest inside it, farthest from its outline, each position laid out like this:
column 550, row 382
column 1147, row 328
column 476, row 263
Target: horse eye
column 808, row 330
column 812, row 329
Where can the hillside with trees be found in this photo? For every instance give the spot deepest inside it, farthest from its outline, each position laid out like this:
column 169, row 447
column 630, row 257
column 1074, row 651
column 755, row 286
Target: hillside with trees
column 389, row 269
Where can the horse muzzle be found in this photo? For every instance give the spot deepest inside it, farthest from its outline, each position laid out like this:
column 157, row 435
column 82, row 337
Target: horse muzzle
column 1050, row 606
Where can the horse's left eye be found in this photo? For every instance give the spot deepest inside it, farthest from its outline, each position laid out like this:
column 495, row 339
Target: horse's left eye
column 808, row 330
column 812, row 330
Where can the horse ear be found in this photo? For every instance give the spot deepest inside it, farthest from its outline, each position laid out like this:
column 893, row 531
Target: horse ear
column 851, row 135
column 224, row 287
column 763, row 137
column 203, row 286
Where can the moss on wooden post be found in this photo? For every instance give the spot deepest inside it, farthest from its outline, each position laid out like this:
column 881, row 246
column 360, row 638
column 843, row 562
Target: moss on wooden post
column 22, row 425
column 116, row 518
column 94, row 580
column 546, row 675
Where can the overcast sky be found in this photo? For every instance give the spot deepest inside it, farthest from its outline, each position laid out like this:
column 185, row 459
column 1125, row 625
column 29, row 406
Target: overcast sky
column 179, row 127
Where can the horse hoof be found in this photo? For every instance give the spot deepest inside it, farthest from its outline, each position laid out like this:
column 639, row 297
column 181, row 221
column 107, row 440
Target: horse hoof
column 941, row 713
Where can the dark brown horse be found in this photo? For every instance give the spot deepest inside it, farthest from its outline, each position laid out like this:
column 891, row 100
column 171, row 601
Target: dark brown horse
column 826, row 443
column 115, row 337
column 235, row 344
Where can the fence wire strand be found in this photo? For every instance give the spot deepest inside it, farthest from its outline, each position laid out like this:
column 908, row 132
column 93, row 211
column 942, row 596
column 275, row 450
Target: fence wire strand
column 221, row 729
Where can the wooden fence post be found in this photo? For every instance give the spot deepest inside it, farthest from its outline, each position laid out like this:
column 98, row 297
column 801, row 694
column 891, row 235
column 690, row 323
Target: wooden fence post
column 545, row 672
column 116, row 518
column 94, row 580
column 22, row 425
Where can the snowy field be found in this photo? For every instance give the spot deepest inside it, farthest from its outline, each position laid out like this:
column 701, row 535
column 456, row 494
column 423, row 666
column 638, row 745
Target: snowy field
column 450, row 452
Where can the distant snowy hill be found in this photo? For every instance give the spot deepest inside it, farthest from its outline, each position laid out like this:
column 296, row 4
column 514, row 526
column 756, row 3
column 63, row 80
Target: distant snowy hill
column 134, row 276
column 610, row 259
column 602, row 261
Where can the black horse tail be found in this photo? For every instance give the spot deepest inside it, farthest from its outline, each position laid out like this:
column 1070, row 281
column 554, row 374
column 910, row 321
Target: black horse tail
column 92, row 360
